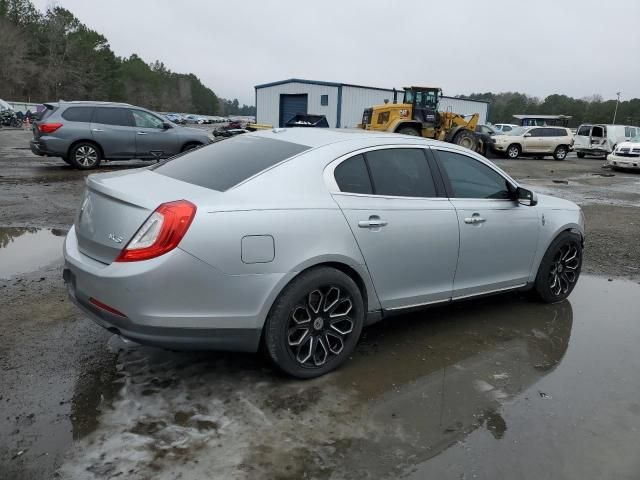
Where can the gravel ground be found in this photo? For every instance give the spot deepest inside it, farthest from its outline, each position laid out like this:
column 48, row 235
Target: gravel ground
column 73, row 396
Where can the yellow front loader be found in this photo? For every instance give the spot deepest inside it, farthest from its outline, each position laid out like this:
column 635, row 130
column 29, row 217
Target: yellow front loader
column 418, row 115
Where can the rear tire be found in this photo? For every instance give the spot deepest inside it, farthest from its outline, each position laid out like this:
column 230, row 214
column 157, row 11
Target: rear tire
column 466, row 139
column 513, row 151
column 581, row 155
column 560, row 153
column 409, row 131
column 85, row 156
column 560, row 268
column 315, row 323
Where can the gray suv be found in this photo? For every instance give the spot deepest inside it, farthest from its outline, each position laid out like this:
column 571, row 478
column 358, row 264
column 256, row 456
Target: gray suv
column 85, row 133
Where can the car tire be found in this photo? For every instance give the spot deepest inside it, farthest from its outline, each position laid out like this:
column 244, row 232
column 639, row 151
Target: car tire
column 560, row 153
column 190, row 146
column 66, row 160
column 559, row 269
column 315, row 323
column 581, row 155
column 85, row 156
column 513, row 151
column 409, row 131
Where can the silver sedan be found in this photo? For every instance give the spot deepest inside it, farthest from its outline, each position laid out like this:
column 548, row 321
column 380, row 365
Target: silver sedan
column 298, row 238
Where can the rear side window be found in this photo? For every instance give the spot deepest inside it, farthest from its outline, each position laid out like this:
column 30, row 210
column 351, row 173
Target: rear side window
column 400, row 172
column 584, row 130
column 78, row 114
column 112, row 116
column 352, row 176
column 225, row 164
column 470, row 178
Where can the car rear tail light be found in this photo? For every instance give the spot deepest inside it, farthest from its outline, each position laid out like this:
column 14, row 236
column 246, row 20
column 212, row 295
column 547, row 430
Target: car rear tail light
column 106, row 308
column 160, row 233
column 49, row 127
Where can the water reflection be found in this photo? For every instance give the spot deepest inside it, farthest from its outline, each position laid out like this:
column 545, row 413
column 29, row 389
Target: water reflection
column 26, row 249
column 416, row 385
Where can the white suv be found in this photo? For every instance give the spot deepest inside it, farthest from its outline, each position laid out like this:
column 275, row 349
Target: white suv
column 535, row 141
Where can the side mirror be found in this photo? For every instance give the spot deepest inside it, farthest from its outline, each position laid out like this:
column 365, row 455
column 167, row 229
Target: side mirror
column 166, row 125
column 527, row 134
column 526, row 197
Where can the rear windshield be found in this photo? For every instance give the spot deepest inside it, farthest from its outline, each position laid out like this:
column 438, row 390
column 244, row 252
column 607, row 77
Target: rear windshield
column 226, row 163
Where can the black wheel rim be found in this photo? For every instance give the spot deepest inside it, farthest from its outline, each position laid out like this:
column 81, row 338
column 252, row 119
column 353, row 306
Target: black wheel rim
column 320, row 325
column 564, row 269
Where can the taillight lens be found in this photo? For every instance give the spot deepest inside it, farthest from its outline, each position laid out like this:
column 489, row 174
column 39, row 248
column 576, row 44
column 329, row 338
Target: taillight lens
column 160, row 233
column 49, row 127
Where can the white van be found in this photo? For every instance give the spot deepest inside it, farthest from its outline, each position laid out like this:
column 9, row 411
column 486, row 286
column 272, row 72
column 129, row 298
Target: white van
column 601, row 139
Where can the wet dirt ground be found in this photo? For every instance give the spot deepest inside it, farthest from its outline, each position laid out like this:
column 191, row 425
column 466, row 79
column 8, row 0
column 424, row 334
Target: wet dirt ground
column 495, row 388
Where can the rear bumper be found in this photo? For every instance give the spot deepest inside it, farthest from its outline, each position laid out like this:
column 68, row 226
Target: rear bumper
column 49, row 147
column 173, row 301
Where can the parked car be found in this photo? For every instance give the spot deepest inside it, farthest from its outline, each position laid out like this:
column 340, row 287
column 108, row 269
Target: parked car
column 299, row 237
column 535, row 141
column 175, row 118
column 200, row 120
column 602, row 139
column 626, row 155
column 85, row 133
column 485, row 134
column 504, row 127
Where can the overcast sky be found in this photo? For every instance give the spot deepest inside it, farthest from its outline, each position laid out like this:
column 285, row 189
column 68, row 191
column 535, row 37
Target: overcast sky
column 574, row 47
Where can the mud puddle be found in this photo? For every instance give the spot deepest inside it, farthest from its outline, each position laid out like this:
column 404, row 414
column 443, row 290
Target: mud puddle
column 491, row 388
column 24, row 250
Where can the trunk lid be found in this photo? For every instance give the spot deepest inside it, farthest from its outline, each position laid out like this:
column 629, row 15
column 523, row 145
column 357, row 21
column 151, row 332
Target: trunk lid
column 115, row 205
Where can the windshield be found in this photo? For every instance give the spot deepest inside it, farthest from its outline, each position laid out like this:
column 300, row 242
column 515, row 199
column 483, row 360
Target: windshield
column 635, row 139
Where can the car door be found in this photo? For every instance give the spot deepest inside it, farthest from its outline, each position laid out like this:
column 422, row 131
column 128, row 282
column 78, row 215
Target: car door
column 498, row 236
column 112, row 129
column 534, row 141
column 152, row 139
column 407, row 233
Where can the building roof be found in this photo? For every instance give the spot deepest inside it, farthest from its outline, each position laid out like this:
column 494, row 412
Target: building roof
column 336, row 84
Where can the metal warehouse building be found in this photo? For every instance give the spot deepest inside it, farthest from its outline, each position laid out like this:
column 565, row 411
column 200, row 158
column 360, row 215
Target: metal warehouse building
column 341, row 103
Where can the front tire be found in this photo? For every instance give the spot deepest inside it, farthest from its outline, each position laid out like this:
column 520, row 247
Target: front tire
column 85, row 156
column 560, row 152
column 466, row 139
column 560, row 268
column 409, row 131
column 513, row 151
column 315, row 323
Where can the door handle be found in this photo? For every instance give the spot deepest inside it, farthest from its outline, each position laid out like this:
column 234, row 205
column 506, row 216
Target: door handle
column 475, row 218
column 141, row 133
column 97, row 130
column 373, row 222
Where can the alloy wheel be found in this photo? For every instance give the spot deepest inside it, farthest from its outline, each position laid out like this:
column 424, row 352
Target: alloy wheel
column 86, row 155
column 319, row 326
column 513, row 152
column 564, row 268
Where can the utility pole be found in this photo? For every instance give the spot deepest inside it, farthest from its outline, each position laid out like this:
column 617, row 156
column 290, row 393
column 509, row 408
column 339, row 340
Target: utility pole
column 616, row 111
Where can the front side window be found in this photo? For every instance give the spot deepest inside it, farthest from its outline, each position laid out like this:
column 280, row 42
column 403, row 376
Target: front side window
column 112, row 116
column 146, row 120
column 537, row 132
column 470, row 178
column 352, row 176
column 400, row 172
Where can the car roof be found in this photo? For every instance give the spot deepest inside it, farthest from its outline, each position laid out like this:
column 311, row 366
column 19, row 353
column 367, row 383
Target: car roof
column 318, row 137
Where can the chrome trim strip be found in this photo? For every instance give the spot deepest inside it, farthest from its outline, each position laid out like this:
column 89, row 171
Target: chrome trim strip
column 446, row 300
column 513, row 287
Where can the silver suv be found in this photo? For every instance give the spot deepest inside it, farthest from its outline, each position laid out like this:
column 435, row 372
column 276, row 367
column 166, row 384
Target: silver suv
column 85, row 133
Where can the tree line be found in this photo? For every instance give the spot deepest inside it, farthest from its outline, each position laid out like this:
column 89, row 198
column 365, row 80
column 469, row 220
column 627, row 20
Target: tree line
column 584, row 110
column 52, row 55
